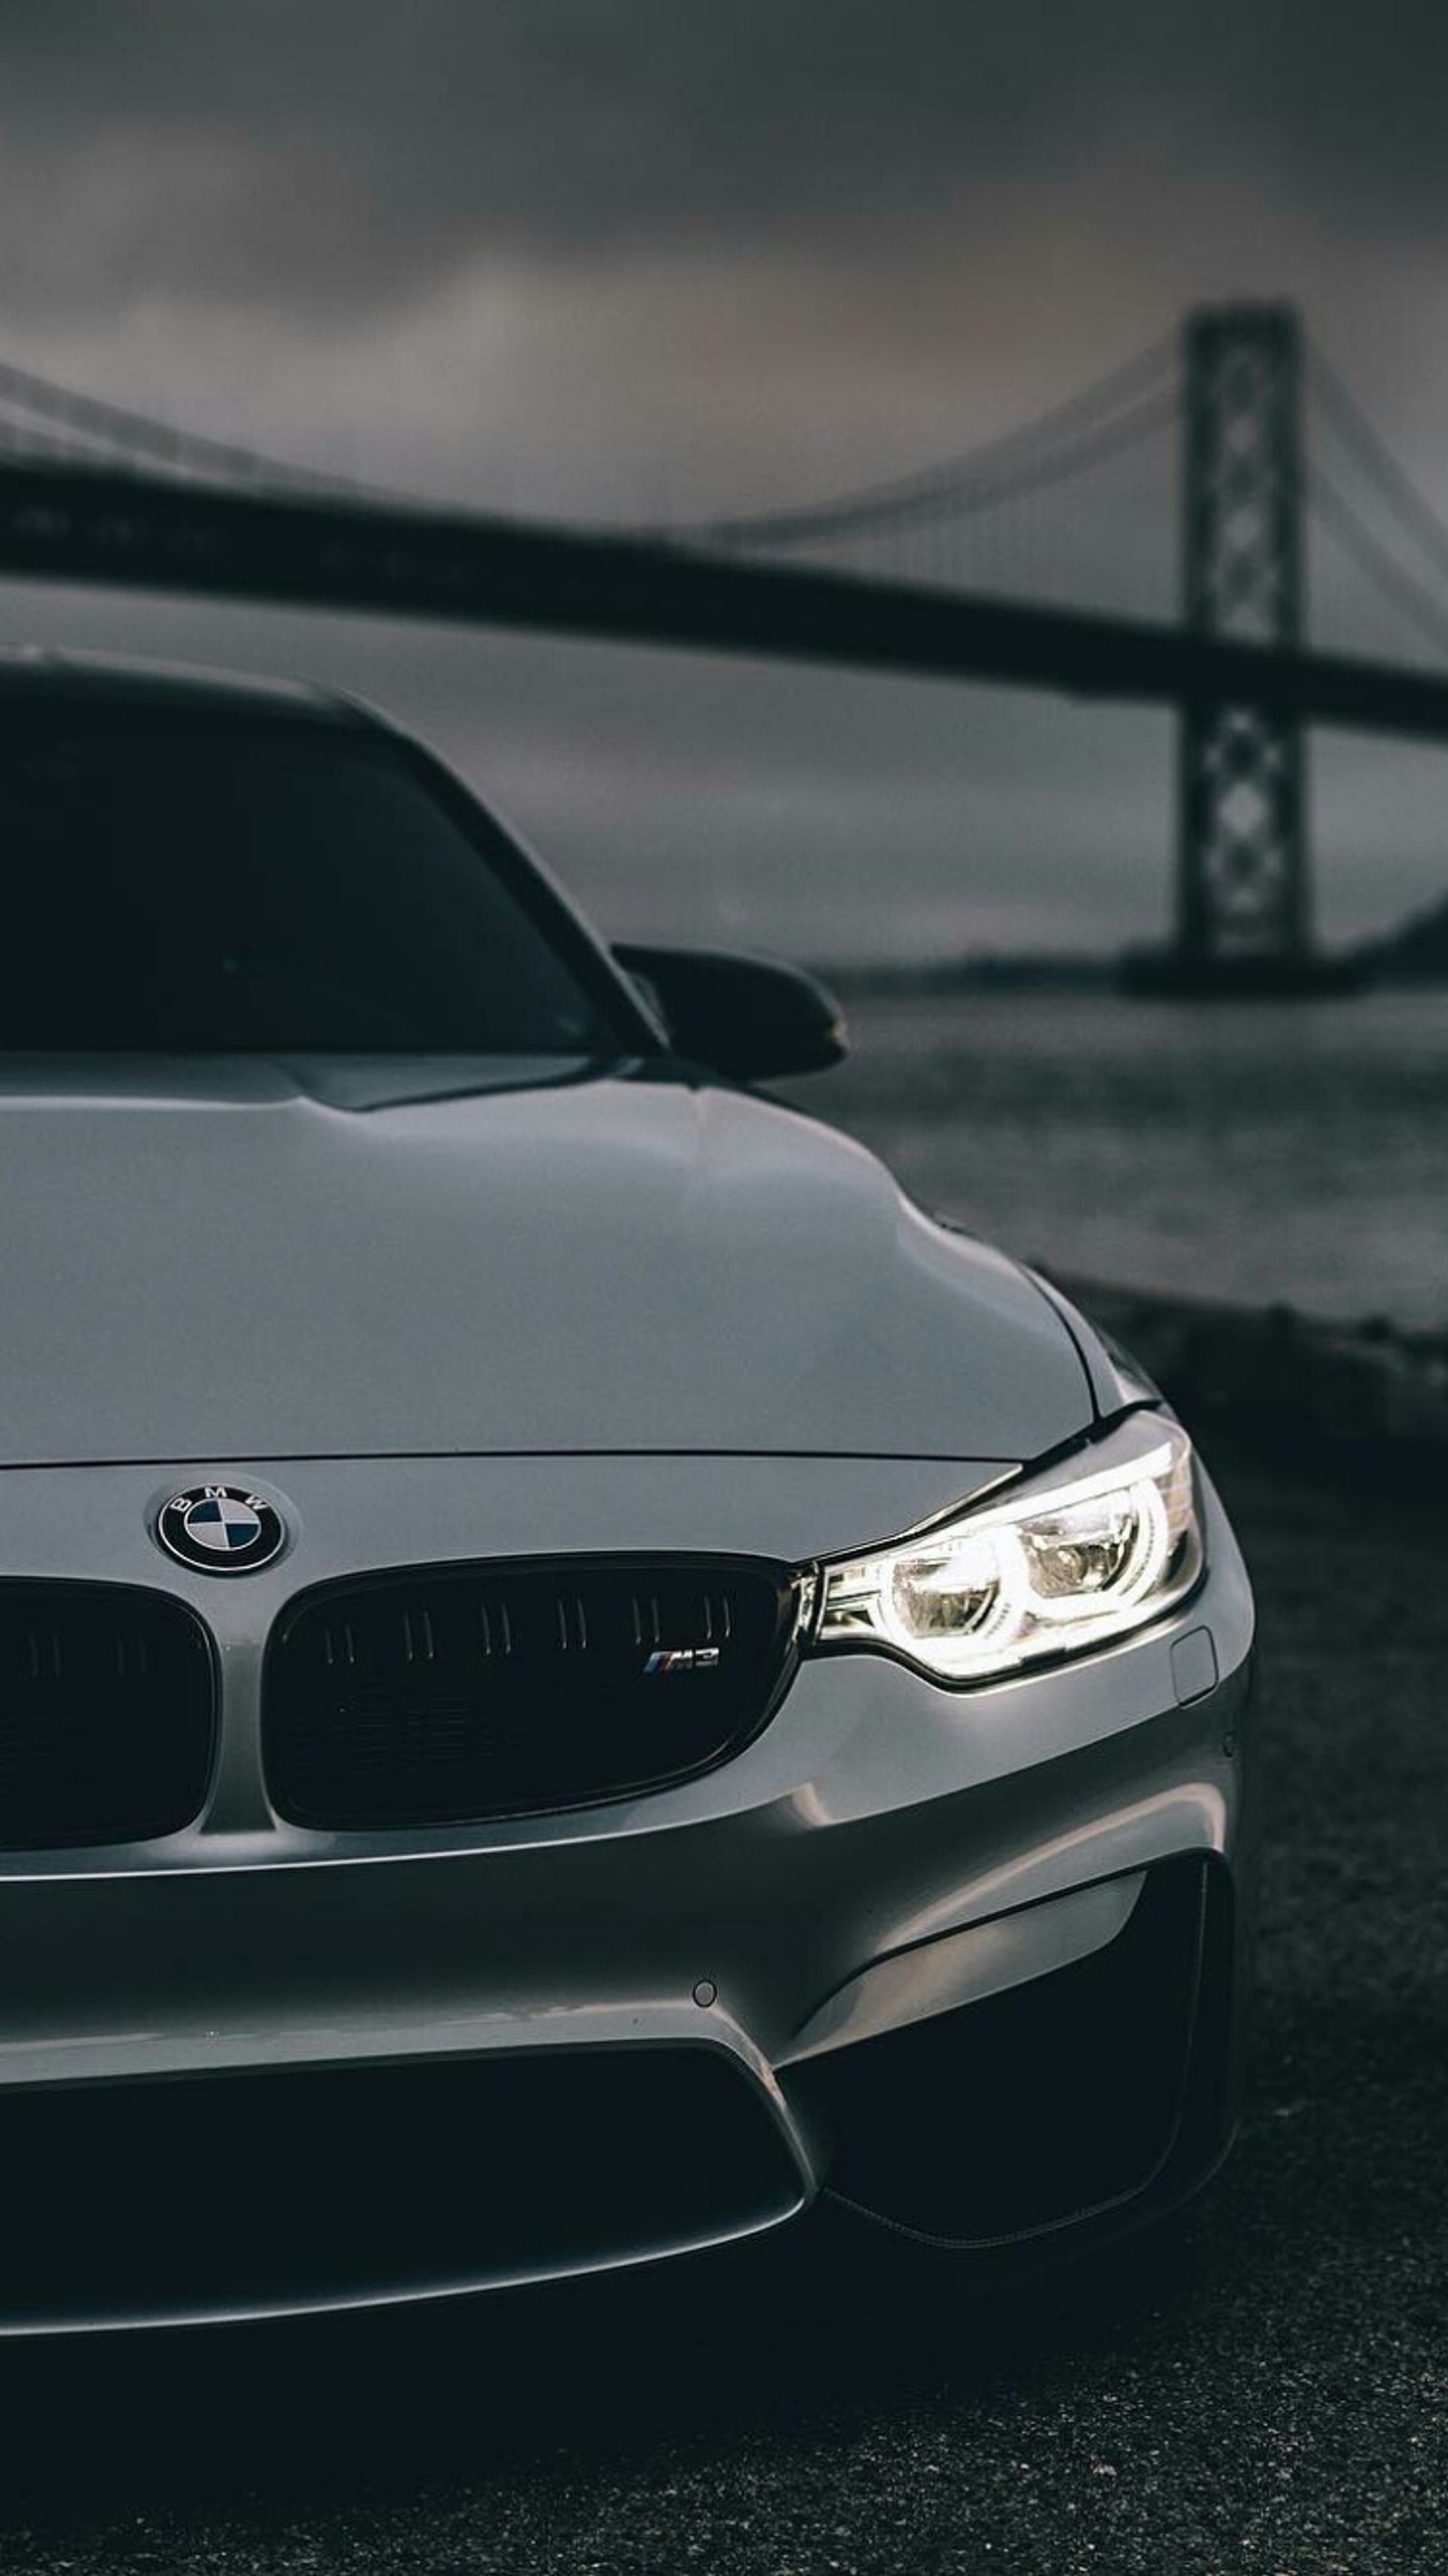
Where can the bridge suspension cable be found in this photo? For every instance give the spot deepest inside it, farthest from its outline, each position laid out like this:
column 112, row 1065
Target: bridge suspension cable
column 1131, row 403
column 1344, row 521
column 1380, row 514
column 1391, row 481
column 72, row 420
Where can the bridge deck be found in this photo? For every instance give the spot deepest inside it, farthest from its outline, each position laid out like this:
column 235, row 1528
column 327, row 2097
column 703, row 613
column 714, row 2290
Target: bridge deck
column 62, row 523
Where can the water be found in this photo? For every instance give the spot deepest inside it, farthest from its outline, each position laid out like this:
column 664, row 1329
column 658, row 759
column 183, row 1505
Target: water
column 1252, row 1151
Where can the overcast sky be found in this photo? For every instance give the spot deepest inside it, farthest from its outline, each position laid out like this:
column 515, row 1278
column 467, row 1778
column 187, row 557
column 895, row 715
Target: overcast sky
column 646, row 257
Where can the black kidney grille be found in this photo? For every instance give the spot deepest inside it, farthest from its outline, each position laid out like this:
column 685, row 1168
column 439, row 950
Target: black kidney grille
column 455, row 1692
column 107, row 1714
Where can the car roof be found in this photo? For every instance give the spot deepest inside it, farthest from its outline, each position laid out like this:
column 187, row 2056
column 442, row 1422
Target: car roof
column 36, row 674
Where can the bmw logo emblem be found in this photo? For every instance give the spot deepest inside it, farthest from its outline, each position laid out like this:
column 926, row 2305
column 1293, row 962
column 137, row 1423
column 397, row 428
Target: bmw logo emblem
column 220, row 1530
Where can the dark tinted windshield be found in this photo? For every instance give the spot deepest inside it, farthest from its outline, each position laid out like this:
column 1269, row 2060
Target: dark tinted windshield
column 231, row 884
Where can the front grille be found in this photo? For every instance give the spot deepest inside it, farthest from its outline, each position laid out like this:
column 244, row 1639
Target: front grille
column 232, row 2193
column 447, row 1693
column 107, row 1714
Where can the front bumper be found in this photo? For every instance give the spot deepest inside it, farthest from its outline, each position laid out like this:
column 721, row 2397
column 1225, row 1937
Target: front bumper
column 284, row 2069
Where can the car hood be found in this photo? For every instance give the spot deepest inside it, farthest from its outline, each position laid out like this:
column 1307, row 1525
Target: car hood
column 227, row 1260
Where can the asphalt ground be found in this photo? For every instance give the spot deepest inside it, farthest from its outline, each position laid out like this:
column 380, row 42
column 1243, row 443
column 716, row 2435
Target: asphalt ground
column 1266, row 2393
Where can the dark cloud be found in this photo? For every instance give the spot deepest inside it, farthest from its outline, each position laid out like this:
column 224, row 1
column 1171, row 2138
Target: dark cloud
column 611, row 253
column 329, row 156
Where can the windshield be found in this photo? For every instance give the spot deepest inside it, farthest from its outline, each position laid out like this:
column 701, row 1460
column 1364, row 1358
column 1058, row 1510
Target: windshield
column 233, row 884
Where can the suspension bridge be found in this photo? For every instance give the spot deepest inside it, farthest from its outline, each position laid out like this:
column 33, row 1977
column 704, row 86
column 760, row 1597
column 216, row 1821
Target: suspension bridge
column 1191, row 489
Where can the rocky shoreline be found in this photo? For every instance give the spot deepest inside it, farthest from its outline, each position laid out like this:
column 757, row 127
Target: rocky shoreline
column 1273, row 1374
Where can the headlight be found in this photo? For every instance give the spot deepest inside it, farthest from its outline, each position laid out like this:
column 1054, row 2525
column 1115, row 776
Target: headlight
column 1067, row 1559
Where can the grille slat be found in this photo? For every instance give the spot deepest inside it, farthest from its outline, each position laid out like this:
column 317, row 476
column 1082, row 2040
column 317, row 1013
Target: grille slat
column 107, row 1714
column 541, row 1684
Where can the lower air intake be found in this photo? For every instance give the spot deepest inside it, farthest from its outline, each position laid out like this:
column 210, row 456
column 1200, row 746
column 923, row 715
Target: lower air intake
column 452, row 1693
column 1040, row 2106
column 232, row 2194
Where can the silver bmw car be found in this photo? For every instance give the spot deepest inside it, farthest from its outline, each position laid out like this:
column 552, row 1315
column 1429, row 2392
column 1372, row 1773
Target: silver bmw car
column 576, row 1673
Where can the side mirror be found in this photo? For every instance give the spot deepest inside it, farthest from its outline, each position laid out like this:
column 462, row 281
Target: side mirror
column 751, row 1017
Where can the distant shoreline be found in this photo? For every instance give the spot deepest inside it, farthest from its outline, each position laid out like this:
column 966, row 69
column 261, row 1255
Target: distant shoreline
column 927, row 980
column 1346, row 1391
column 1414, row 953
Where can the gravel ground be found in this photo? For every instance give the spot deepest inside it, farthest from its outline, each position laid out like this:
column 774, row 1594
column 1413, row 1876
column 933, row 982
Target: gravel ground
column 1269, row 2394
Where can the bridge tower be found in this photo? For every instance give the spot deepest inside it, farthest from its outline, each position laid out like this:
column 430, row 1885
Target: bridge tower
column 1243, row 892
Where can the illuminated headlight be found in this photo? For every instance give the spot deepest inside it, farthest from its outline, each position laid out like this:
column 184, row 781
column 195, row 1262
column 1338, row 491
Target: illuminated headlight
column 1065, row 1560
